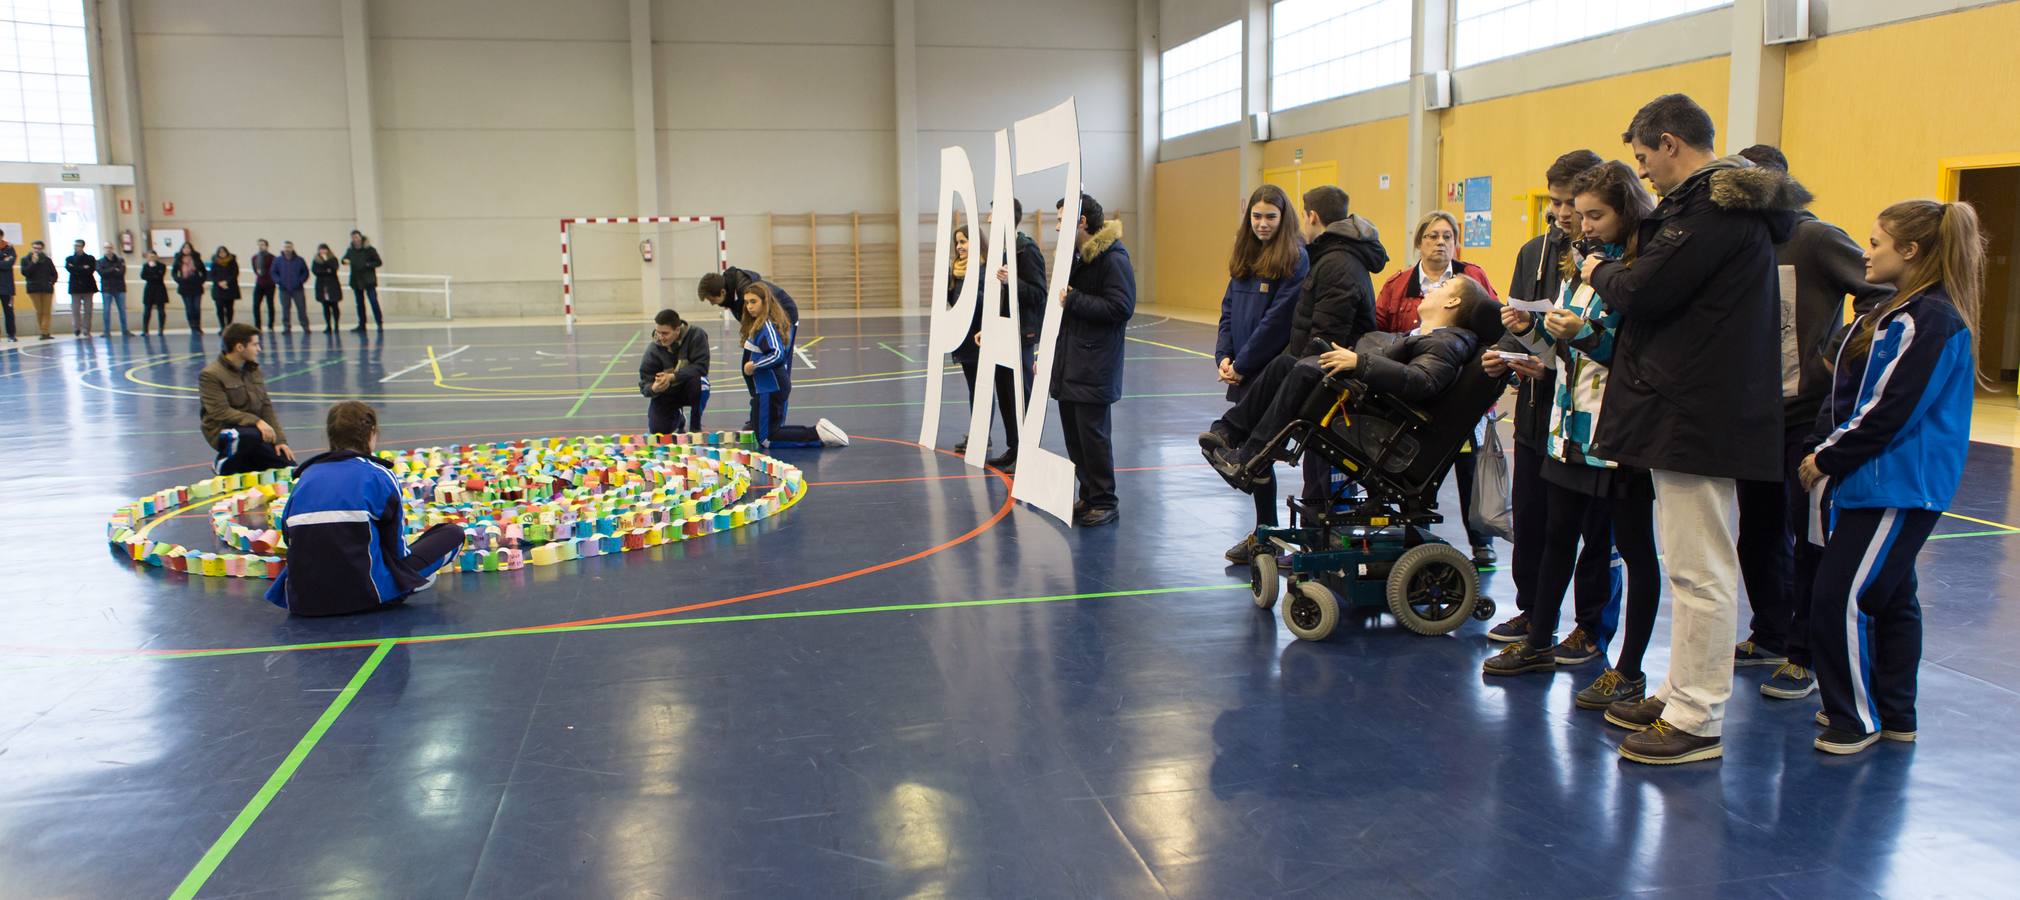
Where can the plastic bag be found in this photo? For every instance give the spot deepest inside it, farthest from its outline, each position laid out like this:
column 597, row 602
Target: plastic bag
column 1490, row 512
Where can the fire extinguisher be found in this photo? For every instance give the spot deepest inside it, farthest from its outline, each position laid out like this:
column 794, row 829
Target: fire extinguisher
column 645, row 250
column 126, row 241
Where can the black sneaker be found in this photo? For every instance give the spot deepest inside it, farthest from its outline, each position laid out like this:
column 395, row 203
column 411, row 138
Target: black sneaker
column 1230, row 464
column 1897, row 735
column 1789, row 682
column 1748, row 653
column 1007, row 463
column 1578, row 648
column 1844, row 743
column 1217, row 437
column 1664, row 745
column 1096, row 516
column 1518, row 658
column 1243, row 553
column 961, row 446
column 1483, row 555
column 1609, row 688
column 1636, row 715
column 1515, row 629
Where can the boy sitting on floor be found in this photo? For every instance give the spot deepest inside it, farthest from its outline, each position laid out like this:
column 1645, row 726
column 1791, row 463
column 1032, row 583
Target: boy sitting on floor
column 346, row 536
column 1412, row 367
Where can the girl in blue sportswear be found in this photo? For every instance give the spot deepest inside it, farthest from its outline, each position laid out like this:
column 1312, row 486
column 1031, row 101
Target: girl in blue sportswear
column 1889, row 454
column 765, row 330
column 1266, row 272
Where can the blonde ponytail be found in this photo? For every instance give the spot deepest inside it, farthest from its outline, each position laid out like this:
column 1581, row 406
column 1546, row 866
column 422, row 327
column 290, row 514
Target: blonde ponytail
column 1952, row 256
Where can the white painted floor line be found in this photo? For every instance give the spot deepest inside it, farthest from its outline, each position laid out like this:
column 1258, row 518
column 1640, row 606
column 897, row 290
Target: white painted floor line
column 804, row 358
column 423, row 363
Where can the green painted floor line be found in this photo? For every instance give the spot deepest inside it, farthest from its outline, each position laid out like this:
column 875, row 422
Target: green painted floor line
column 900, row 353
column 1964, row 534
column 612, row 364
column 213, row 857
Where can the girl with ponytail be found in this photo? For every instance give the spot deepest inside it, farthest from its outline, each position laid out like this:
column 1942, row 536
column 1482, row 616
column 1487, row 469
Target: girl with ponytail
column 1889, row 453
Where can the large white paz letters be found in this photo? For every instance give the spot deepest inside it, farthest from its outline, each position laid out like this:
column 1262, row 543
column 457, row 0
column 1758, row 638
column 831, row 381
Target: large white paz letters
column 1048, row 140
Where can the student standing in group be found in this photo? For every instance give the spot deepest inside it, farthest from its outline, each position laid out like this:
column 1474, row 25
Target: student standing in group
column 289, row 272
column 1817, row 267
column 674, row 374
column 1895, row 430
column 224, row 289
column 1028, row 304
column 1692, row 399
column 112, row 286
column 1539, row 272
column 238, row 417
column 263, row 286
column 38, row 278
column 1336, row 305
column 1437, row 243
column 329, row 290
column 7, row 260
column 364, row 262
column 83, row 270
column 153, row 293
column 767, row 354
column 1266, row 271
column 1097, row 303
column 1577, row 339
column 190, row 276
column 968, row 352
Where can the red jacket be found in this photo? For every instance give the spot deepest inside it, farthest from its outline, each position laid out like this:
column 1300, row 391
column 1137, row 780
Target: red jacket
column 1396, row 304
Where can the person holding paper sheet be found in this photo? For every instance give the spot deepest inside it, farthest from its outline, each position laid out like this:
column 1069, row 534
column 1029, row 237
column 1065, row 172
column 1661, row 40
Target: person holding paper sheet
column 238, row 417
column 1266, row 273
column 968, row 353
column 1097, row 304
column 1028, row 302
column 1576, row 339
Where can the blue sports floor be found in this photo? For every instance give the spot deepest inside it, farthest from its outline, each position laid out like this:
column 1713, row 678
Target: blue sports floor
column 902, row 687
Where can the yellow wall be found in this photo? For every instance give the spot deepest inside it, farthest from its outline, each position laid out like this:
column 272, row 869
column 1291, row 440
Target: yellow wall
column 1868, row 115
column 1198, row 206
column 1365, row 153
column 22, row 203
column 1514, row 139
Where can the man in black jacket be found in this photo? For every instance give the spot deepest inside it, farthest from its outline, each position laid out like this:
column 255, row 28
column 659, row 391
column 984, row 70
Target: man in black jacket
column 1029, row 307
column 674, row 373
column 1816, row 267
column 725, row 289
column 1412, row 367
column 1692, row 398
column 83, row 269
column 38, row 280
column 1337, row 304
column 263, row 285
column 1595, row 583
column 1098, row 301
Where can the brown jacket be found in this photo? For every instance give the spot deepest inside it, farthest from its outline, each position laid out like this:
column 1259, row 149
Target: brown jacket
column 234, row 397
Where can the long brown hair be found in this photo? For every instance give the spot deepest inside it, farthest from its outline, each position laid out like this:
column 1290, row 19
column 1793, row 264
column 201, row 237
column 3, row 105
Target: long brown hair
column 1952, row 255
column 1618, row 187
column 769, row 309
column 1275, row 260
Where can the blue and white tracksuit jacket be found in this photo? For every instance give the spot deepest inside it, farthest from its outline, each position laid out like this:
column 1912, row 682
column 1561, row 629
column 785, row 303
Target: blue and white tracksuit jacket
column 1898, row 423
column 346, row 538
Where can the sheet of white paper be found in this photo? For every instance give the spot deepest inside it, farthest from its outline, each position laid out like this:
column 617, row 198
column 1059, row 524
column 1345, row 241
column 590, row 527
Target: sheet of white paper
column 1535, row 306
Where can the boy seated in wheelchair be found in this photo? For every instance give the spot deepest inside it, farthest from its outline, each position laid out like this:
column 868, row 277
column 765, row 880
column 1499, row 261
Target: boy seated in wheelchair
column 1413, row 367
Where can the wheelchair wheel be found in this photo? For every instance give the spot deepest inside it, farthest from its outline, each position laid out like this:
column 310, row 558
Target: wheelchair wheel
column 1433, row 588
column 1263, row 585
column 1311, row 611
column 1483, row 609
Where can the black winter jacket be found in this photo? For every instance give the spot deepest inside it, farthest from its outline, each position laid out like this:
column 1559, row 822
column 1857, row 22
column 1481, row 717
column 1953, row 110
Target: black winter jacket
column 224, row 279
column 1817, row 266
column 1030, row 308
column 1338, row 301
column 191, row 285
column 1537, row 277
column 1412, row 367
column 1100, row 299
column 687, row 359
column 153, row 286
column 734, row 280
column 38, row 273
column 1695, row 385
column 112, row 274
column 365, row 263
column 83, row 269
column 7, row 260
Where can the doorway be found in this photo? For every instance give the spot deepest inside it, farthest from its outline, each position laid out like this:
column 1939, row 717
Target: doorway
column 1992, row 185
column 69, row 214
column 1297, row 179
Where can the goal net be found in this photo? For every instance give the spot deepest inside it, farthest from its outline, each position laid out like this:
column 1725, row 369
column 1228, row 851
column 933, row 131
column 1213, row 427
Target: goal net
column 605, row 269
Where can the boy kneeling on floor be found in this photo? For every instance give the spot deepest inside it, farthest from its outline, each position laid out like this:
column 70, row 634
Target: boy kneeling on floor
column 346, row 535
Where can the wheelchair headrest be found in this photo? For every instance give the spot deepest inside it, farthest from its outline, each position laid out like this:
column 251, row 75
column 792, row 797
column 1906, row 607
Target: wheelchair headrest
column 1486, row 324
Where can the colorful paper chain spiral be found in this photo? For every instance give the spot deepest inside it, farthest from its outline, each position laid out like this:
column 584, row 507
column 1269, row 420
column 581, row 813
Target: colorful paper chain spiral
column 519, row 502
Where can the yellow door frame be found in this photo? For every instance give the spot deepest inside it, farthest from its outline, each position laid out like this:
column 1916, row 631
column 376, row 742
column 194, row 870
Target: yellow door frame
column 1950, row 171
column 1536, row 203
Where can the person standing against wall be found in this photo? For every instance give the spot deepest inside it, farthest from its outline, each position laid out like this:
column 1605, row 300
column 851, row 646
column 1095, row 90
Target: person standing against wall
column 329, row 290
column 38, row 276
column 83, row 270
column 112, row 286
column 1098, row 301
column 190, row 276
column 288, row 273
column 263, row 286
column 1266, row 272
column 967, row 353
column 7, row 260
column 1693, row 398
column 364, row 262
column 224, row 289
column 153, row 293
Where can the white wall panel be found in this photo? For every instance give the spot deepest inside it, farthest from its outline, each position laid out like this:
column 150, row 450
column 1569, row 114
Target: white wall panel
column 540, row 20
column 501, row 84
column 733, row 87
column 302, row 18
column 1038, row 24
column 280, row 176
column 428, row 174
column 211, row 82
column 755, row 23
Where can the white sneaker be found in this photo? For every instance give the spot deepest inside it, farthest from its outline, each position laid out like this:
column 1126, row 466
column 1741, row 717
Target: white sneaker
column 430, row 582
column 831, row 434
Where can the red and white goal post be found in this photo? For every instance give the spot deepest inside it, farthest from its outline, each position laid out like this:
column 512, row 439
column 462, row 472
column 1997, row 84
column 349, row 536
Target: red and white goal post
column 567, row 261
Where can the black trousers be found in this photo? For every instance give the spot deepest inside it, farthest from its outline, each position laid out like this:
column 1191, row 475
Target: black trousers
column 1865, row 619
column 363, row 294
column 7, row 308
column 1769, row 513
column 263, row 297
column 227, row 309
column 243, row 450
column 1089, row 446
column 1632, row 529
column 1595, row 584
column 1274, row 400
column 666, row 412
column 192, row 311
column 1006, row 392
column 158, row 311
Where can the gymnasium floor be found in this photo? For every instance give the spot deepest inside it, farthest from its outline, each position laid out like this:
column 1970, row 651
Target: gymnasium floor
column 904, row 686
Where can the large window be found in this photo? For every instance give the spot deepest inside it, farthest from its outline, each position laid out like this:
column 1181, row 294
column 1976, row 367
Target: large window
column 1492, row 29
column 1330, row 48
column 1202, row 82
column 45, row 83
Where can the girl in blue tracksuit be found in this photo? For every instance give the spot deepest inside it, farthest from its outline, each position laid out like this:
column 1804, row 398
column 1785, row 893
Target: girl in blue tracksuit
column 768, row 354
column 1889, row 453
column 1265, row 274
